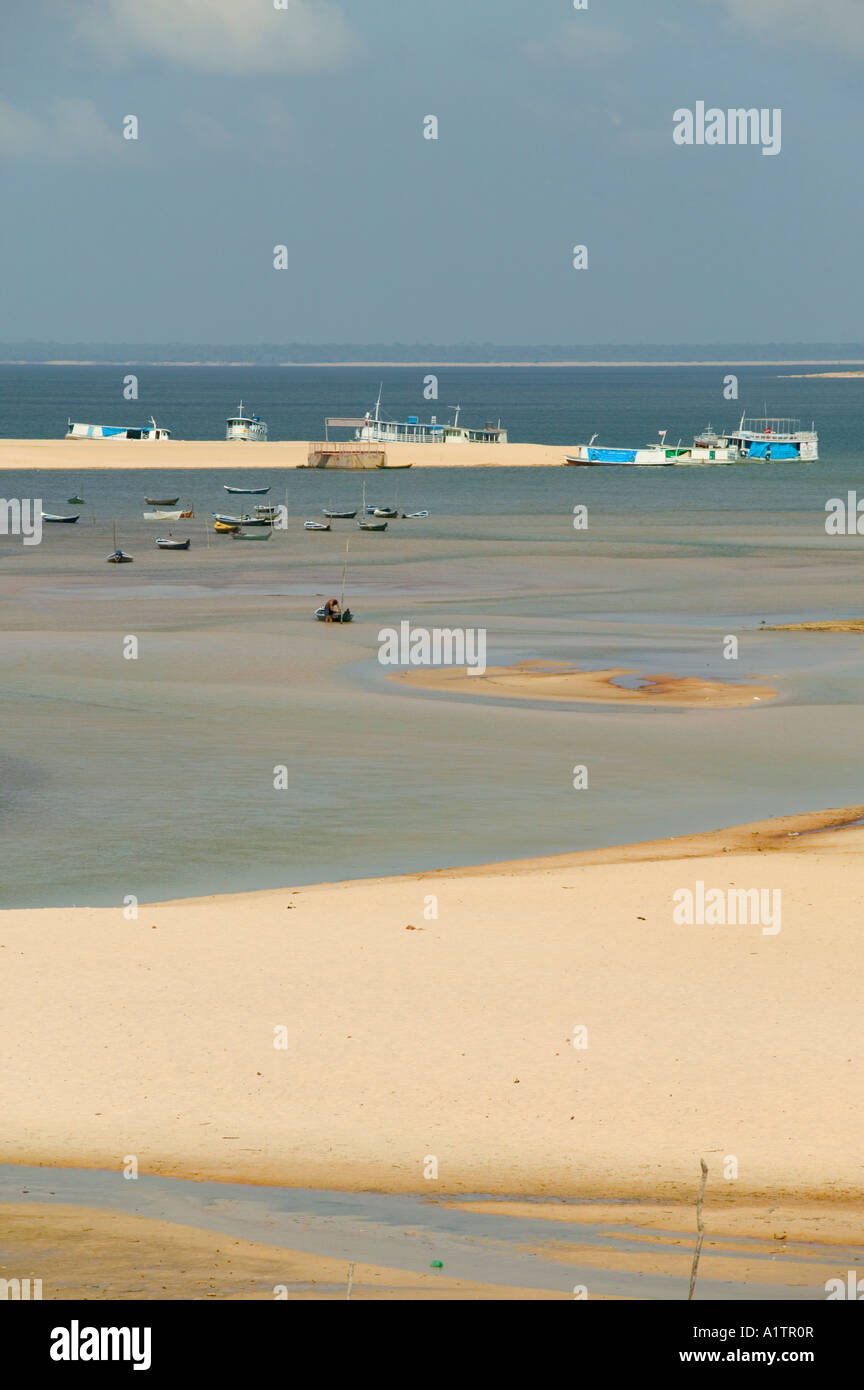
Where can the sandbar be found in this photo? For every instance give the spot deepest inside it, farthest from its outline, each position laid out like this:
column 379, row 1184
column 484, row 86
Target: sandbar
column 534, row 680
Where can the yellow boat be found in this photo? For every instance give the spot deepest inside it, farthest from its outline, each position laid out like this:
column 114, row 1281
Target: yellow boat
column 223, row 526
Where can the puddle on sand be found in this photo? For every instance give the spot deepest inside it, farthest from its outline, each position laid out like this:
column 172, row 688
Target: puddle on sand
column 403, row 1232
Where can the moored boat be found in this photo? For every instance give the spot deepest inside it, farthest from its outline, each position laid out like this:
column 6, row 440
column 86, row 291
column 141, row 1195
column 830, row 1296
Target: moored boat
column 151, row 431
column 52, row 516
column 169, row 543
column 168, row 516
column 764, row 439
column 316, row 525
column 248, row 427
column 241, row 520
column 339, row 516
column 249, row 535
column 246, row 491
column 368, row 524
column 226, row 527
column 651, row 456
column 161, row 501
column 119, row 557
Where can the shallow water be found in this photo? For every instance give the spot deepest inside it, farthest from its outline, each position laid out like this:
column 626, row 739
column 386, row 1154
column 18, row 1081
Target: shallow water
column 155, row 777
column 406, row 1232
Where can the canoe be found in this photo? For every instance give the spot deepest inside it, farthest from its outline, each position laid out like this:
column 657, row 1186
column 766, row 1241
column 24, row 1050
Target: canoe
column 225, row 526
column 168, row 543
column 345, row 617
column 246, row 491
column 161, row 501
column 119, row 558
column 339, row 516
column 394, row 465
column 372, row 525
column 49, row 516
column 250, row 535
column 316, row 525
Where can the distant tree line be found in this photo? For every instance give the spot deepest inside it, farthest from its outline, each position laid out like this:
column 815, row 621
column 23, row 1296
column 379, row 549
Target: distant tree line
column 270, row 354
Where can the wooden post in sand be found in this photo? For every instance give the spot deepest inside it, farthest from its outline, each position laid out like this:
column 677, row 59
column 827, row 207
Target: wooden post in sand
column 350, row 1282
column 699, row 1227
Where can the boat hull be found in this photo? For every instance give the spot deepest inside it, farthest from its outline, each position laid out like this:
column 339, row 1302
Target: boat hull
column 588, row 454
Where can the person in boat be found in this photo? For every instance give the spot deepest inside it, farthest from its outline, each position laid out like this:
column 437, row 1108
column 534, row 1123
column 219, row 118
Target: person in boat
column 332, row 611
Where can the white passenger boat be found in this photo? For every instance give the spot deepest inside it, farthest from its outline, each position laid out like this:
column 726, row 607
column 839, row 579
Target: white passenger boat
column 248, row 427
column 371, row 429
column 766, row 439
column 151, row 431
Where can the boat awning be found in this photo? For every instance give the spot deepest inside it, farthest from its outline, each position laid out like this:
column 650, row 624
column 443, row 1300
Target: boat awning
column 338, row 422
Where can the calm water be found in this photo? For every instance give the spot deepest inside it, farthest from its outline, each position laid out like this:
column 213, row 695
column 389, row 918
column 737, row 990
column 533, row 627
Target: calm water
column 537, row 405
column 155, row 777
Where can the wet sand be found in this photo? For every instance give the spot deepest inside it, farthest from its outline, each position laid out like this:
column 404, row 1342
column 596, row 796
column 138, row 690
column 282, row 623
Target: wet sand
column 534, row 680
column 87, row 1253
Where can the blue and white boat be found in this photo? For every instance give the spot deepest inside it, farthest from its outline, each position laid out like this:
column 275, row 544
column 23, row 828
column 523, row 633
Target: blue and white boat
column 766, row 439
column 653, row 455
column 151, row 431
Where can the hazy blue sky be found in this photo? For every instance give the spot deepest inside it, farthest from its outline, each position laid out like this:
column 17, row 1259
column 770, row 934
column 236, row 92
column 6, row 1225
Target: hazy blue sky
column 304, row 126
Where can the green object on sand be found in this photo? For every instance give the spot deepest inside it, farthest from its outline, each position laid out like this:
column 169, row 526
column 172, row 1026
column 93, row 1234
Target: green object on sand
column 436, row 1264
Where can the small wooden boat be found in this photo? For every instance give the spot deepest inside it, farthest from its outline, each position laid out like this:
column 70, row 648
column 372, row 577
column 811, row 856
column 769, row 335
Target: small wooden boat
column 346, row 616
column 119, row 557
column 168, row 543
column 167, row 516
column 413, row 516
column 339, row 516
column 367, row 524
column 50, row 516
column 389, row 512
column 250, row 535
column 161, row 501
column 246, row 491
column 241, row 520
column 75, row 501
column 316, row 525
column 394, row 465
column 225, row 526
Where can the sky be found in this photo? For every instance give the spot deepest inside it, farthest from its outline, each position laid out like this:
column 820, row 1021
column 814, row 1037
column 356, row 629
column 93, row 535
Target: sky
column 303, row 126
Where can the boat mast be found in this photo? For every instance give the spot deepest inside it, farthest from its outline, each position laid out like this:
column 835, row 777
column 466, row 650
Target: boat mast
column 344, row 571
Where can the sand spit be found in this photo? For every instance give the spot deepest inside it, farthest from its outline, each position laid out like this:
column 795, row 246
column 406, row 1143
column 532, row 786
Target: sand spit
column 339, row 1035
column 820, row 625
column 73, row 455
column 535, row 680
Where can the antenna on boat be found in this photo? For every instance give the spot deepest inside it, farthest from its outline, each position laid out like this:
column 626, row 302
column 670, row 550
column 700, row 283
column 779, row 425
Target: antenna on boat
column 591, row 440
column 344, row 571
column 378, row 403
column 457, row 408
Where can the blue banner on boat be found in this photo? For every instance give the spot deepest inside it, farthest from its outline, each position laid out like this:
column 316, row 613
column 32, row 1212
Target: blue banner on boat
column 778, row 451
column 611, row 455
